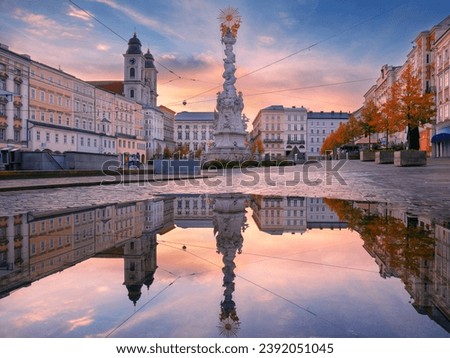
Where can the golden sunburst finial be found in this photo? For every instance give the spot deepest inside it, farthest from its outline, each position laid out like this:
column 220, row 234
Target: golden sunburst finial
column 229, row 20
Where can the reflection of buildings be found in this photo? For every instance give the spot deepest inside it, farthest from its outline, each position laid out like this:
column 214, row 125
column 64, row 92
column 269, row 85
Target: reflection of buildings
column 279, row 214
column 36, row 245
column 410, row 247
column 193, row 211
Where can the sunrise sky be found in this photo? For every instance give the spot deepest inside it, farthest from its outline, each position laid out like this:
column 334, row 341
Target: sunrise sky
column 321, row 54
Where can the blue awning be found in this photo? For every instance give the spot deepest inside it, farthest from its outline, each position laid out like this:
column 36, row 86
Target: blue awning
column 441, row 137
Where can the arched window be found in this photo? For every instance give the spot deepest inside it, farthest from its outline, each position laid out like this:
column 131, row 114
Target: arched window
column 132, row 72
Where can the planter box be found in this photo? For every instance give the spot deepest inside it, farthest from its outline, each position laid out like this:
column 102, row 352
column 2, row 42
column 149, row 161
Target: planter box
column 410, row 158
column 367, row 156
column 384, row 157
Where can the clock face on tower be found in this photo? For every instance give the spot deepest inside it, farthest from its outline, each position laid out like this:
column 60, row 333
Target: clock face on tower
column 132, row 61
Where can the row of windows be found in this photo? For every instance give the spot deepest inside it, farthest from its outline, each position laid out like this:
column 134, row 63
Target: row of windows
column 51, row 98
column 88, row 141
column 187, row 135
column 3, row 138
column 17, row 87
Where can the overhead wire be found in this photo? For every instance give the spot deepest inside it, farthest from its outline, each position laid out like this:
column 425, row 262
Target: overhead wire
column 307, row 48
column 291, row 302
column 124, row 39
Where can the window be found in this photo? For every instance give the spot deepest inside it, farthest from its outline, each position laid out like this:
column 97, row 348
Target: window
column 132, row 73
column 132, row 93
column 56, row 138
column 38, row 136
column 65, row 139
column 47, row 137
column 2, row 134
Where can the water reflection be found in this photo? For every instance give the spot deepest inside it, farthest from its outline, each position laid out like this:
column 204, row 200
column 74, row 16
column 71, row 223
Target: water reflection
column 37, row 245
column 229, row 223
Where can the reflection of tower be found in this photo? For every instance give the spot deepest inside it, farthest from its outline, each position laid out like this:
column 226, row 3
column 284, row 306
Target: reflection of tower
column 229, row 222
column 140, row 264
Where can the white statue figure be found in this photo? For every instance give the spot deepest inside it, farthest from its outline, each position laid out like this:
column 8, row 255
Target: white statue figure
column 229, row 133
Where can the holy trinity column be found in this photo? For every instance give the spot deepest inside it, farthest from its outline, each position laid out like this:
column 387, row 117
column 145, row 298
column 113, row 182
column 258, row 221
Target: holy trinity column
column 230, row 126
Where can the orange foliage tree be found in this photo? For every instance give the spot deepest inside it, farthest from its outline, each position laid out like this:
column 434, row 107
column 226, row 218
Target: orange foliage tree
column 414, row 107
column 353, row 129
column 370, row 116
column 389, row 121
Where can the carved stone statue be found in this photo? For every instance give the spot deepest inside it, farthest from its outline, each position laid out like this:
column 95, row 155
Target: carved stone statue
column 230, row 131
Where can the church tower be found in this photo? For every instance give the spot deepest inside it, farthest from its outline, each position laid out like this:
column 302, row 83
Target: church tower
column 134, row 71
column 150, row 79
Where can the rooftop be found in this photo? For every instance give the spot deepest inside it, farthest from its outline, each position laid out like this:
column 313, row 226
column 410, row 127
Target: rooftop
column 194, row 116
column 328, row 115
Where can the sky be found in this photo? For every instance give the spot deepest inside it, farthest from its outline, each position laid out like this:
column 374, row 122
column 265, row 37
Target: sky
column 320, row 54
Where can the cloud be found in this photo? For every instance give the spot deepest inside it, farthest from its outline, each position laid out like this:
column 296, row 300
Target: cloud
column 79, row 322
column 79, row 14
column 45, row 27
column 103, row 47
column 266, row 40
column 141, row 19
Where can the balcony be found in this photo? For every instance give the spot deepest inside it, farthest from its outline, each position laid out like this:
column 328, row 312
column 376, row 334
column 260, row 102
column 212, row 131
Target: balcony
column 17, row 123
column 279, row 140
column 293, row 141
column 17, row 101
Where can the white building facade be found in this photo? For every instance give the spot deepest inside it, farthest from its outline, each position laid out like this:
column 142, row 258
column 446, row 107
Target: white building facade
column 195, row 130
column 293, row 133
column 14, row 77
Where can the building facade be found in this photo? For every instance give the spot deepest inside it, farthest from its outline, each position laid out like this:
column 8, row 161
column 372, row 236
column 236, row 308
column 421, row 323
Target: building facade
column 169, row 125
column 427, row 58
column 46, row 110
column 319, row 126
column 195, row 131
column 441, row 137
column 293, row 133
column 14, row 75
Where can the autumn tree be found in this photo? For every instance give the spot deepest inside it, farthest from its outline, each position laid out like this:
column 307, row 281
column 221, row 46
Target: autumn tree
column 415, row 108
column 335, row 140
column 198, row 153
column 370, row 116
column 258, row 146
column 389, row 121
column 329, row 144
column 353, row 129
column 167, row 152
